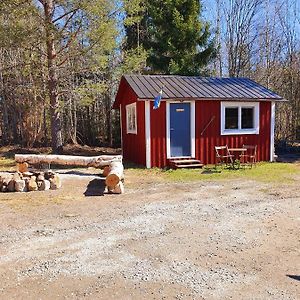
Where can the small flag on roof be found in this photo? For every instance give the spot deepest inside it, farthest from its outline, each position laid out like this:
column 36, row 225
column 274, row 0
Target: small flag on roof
column 157, row 99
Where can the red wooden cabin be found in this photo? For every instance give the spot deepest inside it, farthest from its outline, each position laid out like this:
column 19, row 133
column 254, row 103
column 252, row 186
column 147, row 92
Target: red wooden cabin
column 195, row 114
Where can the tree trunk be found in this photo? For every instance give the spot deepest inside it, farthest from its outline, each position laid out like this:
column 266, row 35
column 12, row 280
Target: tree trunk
column 68, row 160
column 56, row 133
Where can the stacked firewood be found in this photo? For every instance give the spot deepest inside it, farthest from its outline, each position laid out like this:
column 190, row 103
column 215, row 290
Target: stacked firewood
column 29, row 181
column 112, row 164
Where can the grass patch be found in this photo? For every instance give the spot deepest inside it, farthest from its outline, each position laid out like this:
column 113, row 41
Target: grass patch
column 264, row 172
column 7, row 164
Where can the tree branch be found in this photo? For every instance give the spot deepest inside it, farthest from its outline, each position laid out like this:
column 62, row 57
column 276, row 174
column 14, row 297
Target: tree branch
column 73, row 11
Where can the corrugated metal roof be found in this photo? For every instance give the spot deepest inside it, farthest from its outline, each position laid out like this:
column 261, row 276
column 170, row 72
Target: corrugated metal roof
column 193, row 87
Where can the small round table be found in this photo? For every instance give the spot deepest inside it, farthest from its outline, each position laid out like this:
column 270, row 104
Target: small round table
column 235, row 152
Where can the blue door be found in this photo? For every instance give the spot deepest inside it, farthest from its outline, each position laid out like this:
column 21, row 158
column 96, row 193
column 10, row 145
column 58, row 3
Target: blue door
column 180, row 129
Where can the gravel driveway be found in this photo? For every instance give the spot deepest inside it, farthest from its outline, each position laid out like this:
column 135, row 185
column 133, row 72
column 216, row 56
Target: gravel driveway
column 202, row 240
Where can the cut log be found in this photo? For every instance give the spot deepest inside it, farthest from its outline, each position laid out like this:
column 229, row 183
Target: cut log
column 5, row 182
column 55, row 182
column 40, row 176
column 20, row 185
column 43, row 185
column 17, row 176
column 32, row 185
column 118, row 189
column 68, row 160
column 22, row 167
column 115, row 175
column 106, row 171
column 11, row 186
column 49, row 174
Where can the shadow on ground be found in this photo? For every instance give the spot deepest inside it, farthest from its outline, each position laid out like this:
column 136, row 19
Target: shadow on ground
column 95, row 187
column 210, row 171
column 296, row 277
column 78, row 173
column 289, row 157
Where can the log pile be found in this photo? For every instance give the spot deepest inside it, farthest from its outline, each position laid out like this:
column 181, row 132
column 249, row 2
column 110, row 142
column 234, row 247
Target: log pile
column 29, row 181
column 112, row 164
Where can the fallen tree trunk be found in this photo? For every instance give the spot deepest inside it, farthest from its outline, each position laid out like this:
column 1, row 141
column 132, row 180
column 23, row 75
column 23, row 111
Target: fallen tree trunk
column 68, row 160
column 115, row 174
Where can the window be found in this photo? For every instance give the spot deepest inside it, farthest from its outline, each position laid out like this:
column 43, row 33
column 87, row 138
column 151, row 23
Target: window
column 131, row 118
column 247, row 117
column 239, row 118
column 231, row 117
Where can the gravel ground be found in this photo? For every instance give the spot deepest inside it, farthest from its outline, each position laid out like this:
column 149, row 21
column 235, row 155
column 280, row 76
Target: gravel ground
column 202, row 240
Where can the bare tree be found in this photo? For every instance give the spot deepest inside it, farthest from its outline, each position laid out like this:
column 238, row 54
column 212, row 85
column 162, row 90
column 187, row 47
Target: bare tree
column 240, row 17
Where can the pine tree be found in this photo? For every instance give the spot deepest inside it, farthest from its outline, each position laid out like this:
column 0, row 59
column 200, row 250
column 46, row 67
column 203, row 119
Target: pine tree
column 176, row 39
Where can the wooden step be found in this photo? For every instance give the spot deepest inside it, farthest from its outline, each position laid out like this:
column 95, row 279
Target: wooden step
column 185, row 163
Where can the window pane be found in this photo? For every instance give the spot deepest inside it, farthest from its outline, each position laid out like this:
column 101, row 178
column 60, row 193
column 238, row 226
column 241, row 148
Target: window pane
column 131, row 118
column 231, row 117
column 247, row 117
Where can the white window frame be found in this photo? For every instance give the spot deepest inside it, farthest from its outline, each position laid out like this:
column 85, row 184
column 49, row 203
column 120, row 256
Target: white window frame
column 240, row 105
column 131, row 108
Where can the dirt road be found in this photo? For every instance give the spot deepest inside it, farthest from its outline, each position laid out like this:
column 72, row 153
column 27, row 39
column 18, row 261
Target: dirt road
column 203, row 240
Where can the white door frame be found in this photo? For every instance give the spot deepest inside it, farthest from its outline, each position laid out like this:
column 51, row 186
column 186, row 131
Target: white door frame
column 192, row 118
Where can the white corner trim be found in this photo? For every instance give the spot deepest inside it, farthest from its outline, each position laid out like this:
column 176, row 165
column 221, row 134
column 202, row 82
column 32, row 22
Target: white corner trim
column 239, row 105
column 168, row 129
column 128, row 107
column 272, row 138
column 148, row 134
column 192, row 127
column 120, row 109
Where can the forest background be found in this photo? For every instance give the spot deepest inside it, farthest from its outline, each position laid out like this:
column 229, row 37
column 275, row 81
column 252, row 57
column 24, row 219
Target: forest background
column 61, row 60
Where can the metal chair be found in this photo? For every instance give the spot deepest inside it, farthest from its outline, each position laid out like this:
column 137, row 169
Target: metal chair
column 223, row 156
column 249, row 157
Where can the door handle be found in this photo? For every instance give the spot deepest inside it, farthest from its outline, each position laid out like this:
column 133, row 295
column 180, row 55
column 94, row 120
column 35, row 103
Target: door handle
column 171, row 128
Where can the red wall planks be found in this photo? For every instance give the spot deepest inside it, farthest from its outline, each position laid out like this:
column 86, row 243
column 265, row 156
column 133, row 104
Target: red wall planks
column 211, row 137
column 205, row 143
column 158, row 135
column 134, row 146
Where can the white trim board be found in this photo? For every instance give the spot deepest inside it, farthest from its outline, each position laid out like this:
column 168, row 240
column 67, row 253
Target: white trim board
column 120, row 110
column 192, row 129
column 239, row 105
column 148, row 134
column 272, row 137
